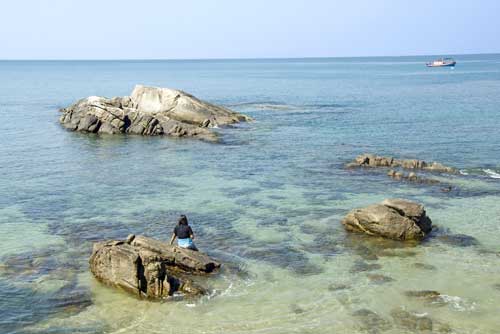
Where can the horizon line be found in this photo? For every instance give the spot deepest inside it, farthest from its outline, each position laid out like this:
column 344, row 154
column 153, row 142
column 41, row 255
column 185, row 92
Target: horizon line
column 245, row 58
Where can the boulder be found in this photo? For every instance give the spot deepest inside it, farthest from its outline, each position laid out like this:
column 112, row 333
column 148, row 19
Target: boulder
column 149, row 268
column 372, row 160
column 149, row 111
column 396, row 219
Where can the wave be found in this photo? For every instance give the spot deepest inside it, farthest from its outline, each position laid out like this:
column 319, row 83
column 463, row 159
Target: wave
column 457, row 303
column 493, row 173
column 263, row 105
column 278, row 106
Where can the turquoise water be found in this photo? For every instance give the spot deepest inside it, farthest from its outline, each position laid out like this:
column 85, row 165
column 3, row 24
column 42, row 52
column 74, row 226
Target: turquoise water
column 267, row 200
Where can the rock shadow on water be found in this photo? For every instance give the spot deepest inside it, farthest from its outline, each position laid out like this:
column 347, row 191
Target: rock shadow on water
column 445, row 236
column 285, row 257
column 371, row 248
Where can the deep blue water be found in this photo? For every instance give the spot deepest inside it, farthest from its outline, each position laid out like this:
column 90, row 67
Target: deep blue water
column 274, row 186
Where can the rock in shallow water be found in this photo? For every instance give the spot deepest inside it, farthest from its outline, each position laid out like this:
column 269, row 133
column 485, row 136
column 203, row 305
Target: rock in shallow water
column 371, row 160
column 371, row 322
column 379, row 279
column 149, row 111
column 145, row 267
column 412, row 321
column 361, row 266
column 396, row 219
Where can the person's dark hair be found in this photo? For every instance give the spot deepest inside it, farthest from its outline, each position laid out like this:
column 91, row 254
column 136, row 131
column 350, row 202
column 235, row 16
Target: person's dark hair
column 183, row 220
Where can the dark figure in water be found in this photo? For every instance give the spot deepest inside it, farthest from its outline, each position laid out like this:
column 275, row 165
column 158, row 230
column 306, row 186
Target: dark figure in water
column 184, row 234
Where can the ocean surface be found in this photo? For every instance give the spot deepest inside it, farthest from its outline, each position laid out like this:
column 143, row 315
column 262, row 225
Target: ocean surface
column 267, row 200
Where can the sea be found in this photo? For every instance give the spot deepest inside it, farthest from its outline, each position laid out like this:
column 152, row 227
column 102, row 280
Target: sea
column 267, row 200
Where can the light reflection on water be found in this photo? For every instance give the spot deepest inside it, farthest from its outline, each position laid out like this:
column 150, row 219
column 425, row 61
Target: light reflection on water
column 267, row 200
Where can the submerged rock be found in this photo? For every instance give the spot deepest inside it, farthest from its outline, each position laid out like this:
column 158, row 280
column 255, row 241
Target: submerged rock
column 296, row 309
column 424, row 266
column 146, row 267
column 361, row 266
column 412, row 321
column 379, row 279
column 423, row 294
column 150, row 111
column 371, row 322
column 396, row 219
column 430, row 297
column 411, row 177
column 371, row 160
column 338, row 287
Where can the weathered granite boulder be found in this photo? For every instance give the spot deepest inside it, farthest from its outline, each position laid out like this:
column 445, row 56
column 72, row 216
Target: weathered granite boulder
column 149, row 111
column 396, row 219
column 149, row 268
column 371, row 160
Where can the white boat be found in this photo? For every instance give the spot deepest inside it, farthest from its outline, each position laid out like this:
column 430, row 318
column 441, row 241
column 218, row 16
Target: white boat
column 442, row 62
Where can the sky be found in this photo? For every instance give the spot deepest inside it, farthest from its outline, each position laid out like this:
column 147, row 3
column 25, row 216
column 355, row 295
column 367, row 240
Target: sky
column 199, row 29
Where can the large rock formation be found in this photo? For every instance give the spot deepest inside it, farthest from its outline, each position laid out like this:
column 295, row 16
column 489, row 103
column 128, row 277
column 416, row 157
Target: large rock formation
column 371, row 160
column 149, row 111
column 149, row 268
column 396, row 219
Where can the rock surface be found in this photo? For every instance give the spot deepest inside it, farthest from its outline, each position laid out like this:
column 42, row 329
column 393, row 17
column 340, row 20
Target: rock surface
column 411, row 177
column 371, row 160
column 149, row 111
column 412, row 321
column 146, row 267
column 396, row 219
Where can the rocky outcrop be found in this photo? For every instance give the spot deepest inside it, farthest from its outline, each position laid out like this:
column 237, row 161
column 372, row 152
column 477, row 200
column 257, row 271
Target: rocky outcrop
column 149, row 268
column 149, row 111
column 371, row 160
column 396, row 219
column 410, row 177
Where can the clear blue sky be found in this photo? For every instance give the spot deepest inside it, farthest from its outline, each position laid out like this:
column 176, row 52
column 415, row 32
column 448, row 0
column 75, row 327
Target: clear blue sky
column 129, row 29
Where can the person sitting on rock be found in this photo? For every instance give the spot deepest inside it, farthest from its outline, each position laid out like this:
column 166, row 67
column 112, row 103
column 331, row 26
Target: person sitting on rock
column 184, row 234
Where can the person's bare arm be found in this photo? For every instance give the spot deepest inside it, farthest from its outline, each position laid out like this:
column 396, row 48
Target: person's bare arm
column 172, row 239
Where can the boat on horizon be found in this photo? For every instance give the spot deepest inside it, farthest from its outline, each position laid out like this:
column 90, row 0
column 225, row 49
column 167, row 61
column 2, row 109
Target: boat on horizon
column 441, row 62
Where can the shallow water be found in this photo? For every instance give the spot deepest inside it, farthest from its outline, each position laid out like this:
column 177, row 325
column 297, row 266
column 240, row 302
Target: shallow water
column 267, row 201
